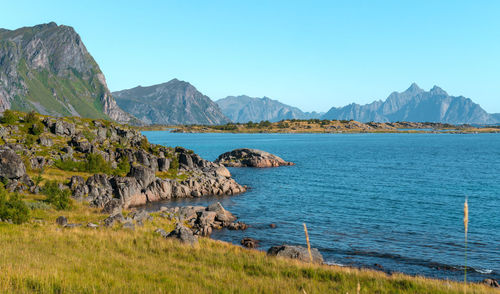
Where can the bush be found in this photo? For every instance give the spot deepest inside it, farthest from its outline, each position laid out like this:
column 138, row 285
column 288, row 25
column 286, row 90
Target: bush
column 59, row 198
column 8, row 117
column 37, row 128
column 12, row 207
column 96, row 164
column 123, row 167
column 29, row 140
column 31, row 118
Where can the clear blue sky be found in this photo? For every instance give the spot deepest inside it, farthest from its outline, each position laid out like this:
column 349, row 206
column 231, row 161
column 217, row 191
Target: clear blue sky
column 310, row 54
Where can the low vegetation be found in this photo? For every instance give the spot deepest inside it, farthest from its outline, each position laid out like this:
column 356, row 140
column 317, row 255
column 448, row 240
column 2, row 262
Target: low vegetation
column 332, row 126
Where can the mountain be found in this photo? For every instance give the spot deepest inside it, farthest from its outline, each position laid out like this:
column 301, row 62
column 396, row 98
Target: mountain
column 172, row 103
column 47, row 68
column 244, row 109
column 416, row 105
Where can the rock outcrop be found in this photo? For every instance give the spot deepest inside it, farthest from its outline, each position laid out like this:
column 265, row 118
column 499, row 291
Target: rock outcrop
column 296, row 252
column 250, row 158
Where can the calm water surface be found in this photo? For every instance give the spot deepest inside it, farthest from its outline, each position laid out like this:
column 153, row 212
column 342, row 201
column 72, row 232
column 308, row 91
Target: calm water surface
column 391, row 201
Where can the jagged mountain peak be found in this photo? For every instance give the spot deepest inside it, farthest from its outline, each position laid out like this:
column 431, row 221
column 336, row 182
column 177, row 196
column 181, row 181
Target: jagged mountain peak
column 414, row 89
column 417, row 105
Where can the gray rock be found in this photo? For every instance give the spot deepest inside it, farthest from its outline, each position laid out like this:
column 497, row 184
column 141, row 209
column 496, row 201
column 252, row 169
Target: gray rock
column 44, row 141
column 296, row 252
column 62, row 220
column 69, row 226
column 249, row 243
column 129, row 225
column 237, row 226
column 222, row 215
column 11, row 165
column 491, row 282
column 163, row 164
column 143, row 175
column 114, row 219
column 245, row 157
column 184, row 235
column 92, row 226
column 141, row 216
column 161, row 232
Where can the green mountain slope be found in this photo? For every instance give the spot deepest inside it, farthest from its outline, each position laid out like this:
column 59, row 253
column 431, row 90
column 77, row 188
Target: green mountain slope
column 47, row 68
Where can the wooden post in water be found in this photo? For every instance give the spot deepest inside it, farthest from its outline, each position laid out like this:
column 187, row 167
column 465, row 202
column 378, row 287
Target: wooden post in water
column 308, row 245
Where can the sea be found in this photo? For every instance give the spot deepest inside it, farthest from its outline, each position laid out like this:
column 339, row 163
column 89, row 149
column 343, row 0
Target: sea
column 391, row 202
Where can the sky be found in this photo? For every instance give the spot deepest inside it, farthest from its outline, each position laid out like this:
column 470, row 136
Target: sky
column 309, row 54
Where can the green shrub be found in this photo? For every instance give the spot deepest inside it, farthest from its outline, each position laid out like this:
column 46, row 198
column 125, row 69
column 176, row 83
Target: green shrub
column 8, row 117
column 31, row 118
column 37, row 128
column 94, row 163
column 59, row 198
column 12, row 207
column 30, row 140
column 123, row 167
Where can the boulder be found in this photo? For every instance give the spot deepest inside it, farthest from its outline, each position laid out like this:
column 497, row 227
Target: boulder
column 249, row 243
column 222, row 215
column 250, row 158
column 184, row 235
column 237, row 226
column 163, row 164
column 62, row 221
column 491, row 282
column 143, row 175
column 44, row 141
column 113, row 219
column 11, row 165
column 296, row 252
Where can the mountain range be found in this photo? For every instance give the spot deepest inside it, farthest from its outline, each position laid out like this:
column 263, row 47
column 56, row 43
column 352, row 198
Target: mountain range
column 171, row 103
column 417, row 105
column 243, row 109
column 47, row 68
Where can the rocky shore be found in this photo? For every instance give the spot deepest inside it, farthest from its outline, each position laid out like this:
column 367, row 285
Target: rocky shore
column 123, row 168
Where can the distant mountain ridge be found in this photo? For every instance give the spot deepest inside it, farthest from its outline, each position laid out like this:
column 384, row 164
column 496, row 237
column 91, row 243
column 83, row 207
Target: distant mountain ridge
column 243, row 109
column 417, row 105
column 48, row 69
column 172, row 103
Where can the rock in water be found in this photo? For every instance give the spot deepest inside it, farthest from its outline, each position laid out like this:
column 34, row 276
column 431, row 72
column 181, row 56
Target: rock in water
column 296, row 252
column 249, row 243
column 245, row 157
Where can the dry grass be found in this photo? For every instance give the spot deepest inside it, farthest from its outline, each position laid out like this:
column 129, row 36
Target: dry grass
column 45, row 258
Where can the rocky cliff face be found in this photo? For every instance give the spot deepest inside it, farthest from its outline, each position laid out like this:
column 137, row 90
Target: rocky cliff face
column 416, row 105
column 244, row 109
column 172, row 103
column 47, row 68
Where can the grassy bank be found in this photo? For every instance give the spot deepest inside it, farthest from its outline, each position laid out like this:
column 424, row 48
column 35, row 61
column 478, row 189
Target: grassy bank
column 44, row 258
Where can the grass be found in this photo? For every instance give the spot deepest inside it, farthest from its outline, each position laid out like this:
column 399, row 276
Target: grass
column 44, row 258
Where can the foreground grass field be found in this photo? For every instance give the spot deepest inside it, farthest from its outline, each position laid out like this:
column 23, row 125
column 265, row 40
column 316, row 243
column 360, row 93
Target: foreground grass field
column 41, row 257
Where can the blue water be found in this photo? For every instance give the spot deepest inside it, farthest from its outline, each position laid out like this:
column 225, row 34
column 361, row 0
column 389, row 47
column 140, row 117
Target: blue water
column 395, row 200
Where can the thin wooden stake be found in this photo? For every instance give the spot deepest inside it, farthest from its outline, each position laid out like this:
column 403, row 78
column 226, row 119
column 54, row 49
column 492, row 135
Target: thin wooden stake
column 308, row 245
